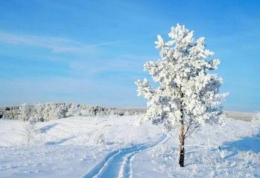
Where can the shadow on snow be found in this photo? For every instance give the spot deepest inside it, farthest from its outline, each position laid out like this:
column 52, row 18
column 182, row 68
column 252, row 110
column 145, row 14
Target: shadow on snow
column 244, row 144
column 47, row 128
column 59, row 142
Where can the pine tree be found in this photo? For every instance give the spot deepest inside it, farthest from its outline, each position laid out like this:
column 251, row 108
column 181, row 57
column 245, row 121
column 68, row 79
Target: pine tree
column 187, row 95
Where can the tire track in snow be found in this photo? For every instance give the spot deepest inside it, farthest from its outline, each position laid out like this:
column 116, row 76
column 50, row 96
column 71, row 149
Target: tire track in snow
column 119, row 163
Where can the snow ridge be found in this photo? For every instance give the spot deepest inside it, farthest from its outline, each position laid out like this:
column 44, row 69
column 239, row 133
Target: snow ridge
column 119, row 163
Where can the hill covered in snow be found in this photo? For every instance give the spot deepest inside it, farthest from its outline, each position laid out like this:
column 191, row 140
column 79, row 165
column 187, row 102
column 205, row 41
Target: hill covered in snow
column 109, row 146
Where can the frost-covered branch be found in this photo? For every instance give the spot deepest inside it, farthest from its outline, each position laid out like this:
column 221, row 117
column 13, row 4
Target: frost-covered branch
column 184, row 82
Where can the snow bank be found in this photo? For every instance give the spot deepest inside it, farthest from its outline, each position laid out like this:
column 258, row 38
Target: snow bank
column 114, row 146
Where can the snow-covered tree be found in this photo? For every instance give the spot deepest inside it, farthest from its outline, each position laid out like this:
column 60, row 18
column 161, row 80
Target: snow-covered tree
column 73, row 109
column 187, row 95
column 30, row 130
column 26, row 111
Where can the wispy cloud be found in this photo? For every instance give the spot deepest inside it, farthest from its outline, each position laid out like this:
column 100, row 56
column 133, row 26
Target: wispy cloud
column 56, row 45
column 108, row 43
column 126, row 63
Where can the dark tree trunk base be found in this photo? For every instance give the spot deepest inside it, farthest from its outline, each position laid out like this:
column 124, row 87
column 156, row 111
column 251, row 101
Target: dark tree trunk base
column 181, row 149
column 181, row 159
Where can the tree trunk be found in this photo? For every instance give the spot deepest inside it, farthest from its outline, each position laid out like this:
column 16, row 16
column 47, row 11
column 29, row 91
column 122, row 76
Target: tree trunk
column 182, row 134
column 181, row 148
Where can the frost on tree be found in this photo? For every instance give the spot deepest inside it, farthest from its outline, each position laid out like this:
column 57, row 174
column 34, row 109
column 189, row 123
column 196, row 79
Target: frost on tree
column 187, row 95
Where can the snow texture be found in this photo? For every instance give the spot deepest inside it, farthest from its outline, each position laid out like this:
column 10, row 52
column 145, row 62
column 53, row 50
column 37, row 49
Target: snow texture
column 114, row 146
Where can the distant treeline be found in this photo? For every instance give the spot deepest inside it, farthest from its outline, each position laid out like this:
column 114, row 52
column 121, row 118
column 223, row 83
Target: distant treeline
column 50, row 111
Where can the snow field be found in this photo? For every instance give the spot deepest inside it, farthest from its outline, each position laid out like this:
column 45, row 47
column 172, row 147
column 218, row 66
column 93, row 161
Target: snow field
column 114, row 146
column 230, row 150
column 68, row 147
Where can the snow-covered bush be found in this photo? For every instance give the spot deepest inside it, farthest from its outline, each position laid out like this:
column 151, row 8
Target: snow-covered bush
column 50, row 111
column 26, row 111
column 256, row 117
column 30, row 130
column 9, row 113
column 187, row 95
column 98, row 138
column 73, row 110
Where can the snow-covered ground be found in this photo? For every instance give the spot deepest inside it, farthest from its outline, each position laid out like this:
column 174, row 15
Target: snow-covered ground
column 114, row 146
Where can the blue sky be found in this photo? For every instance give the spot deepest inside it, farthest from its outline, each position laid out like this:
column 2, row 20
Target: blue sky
column 92, row 52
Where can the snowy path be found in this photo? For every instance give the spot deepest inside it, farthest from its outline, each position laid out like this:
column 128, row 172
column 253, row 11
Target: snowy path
column 119, row 163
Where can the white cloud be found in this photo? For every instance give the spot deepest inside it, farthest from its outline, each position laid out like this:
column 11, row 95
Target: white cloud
column 124, row 63
column 56, row 45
